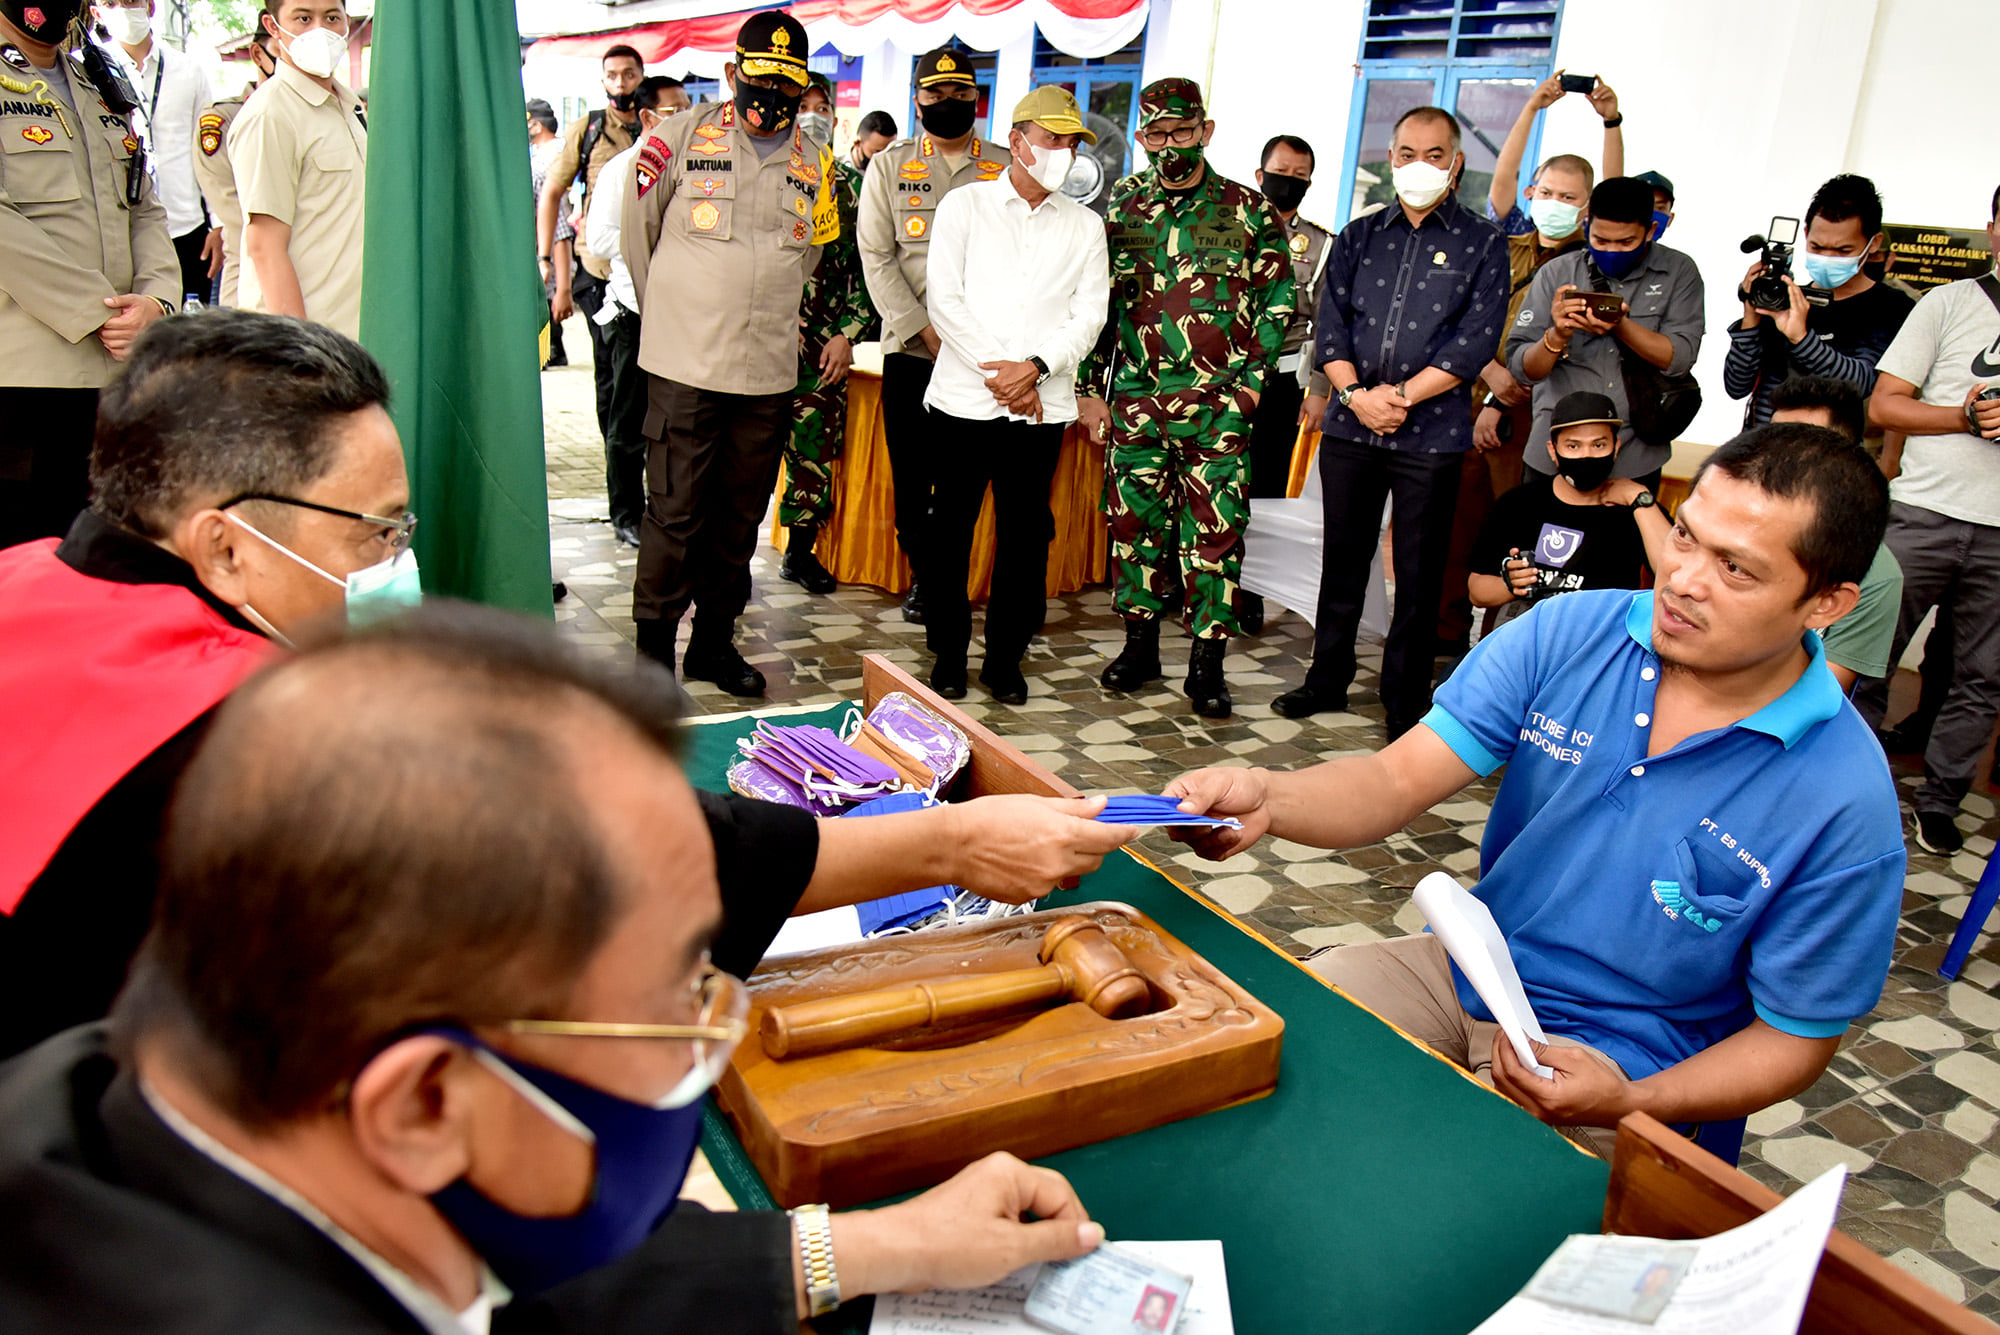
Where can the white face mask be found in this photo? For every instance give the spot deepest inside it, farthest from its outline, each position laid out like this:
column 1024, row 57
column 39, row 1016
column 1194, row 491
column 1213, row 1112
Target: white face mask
column 316, row 51
column 128, row 26
column 1049, row 166
column 1419, row 184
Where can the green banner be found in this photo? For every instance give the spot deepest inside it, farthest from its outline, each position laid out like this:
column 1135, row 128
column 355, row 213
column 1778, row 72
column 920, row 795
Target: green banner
column 451, row 303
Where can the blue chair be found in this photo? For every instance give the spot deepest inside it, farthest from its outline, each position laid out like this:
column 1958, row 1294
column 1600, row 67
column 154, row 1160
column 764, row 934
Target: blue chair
column 1974, row 920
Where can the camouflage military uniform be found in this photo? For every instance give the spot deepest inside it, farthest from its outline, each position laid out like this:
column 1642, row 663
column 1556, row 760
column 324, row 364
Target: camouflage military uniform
column 835, row 302
column 1201, row 292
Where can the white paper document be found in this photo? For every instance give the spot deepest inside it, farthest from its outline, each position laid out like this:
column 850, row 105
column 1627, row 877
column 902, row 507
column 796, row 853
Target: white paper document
column 817, row 931
column 1473, row 939
column 1752, row 1280
column 998, row 1309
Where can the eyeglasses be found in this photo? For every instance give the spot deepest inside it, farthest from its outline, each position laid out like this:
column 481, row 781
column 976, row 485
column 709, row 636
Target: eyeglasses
column 396, row 533
column 1180, row 138
column 721, row 1006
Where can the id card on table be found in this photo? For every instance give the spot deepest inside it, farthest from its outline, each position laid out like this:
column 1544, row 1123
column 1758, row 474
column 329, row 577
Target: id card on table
column 1108, row 1292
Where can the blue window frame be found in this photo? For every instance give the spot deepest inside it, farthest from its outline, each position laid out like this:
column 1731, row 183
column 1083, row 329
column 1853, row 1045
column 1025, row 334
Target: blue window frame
column 1479, row 59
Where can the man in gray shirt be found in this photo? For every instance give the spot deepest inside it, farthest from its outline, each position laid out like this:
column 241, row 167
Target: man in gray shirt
column 1560, row 347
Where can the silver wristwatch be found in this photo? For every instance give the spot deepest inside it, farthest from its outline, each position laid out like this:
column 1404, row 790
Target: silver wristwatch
column 1346, row 395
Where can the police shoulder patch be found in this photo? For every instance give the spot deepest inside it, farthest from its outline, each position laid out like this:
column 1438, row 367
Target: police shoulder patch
column 645, row 177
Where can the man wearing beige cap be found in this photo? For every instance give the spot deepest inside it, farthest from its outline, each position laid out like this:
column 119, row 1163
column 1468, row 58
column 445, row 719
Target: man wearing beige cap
column 1012, row 323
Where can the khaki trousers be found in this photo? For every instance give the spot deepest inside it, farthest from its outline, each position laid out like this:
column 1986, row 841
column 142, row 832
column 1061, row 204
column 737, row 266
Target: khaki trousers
column 1407, row 982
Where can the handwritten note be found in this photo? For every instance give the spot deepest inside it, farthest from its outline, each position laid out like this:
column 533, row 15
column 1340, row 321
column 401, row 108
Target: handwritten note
column 982, row 1311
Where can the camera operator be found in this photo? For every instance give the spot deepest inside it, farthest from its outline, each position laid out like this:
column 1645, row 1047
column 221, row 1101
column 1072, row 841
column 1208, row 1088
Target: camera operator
column 1558, row 345
column 1841, row 337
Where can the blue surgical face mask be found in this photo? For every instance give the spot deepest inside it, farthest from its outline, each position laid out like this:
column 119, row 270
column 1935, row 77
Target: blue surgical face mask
column 1830, row 271
column 1660, row 221
column 1554, row 219
column 641, row 1154
column 374, row 593
column 1617, row 264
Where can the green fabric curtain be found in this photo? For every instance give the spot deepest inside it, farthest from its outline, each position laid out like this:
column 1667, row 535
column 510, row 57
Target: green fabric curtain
column 452, row 304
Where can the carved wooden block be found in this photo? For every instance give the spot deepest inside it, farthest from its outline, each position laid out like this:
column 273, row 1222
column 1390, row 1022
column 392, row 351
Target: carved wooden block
column 854, row 1124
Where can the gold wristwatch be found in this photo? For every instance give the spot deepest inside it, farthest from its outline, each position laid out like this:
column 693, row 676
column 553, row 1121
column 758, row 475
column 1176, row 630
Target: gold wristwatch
column 815, row 1232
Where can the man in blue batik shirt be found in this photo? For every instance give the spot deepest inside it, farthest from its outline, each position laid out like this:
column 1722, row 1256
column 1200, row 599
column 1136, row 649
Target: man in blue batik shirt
column 1695, row 853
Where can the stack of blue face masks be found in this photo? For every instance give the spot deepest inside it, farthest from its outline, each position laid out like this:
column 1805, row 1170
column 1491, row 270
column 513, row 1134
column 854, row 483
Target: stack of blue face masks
column 912, row 906
column 1158, row 811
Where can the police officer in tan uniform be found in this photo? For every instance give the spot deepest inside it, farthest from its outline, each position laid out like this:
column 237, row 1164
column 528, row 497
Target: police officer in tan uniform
column 300, row 151
column 725, row 215
column 212, row 171
column 85, row 260
column 898, row 200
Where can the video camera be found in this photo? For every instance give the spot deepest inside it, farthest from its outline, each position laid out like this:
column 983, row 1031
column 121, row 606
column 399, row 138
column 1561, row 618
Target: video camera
column 1767, row 290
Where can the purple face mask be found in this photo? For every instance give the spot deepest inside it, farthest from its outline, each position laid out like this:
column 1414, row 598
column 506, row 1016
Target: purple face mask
column 829, row 774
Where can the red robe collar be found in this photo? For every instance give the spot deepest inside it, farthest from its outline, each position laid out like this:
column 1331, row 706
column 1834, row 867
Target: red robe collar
column 94, row 676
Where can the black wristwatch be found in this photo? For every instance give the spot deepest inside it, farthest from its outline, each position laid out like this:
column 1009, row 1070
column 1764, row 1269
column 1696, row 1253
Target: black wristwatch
column 1643, row 499
column 1615, row 121
column 1041, row 369
column 1347, row 395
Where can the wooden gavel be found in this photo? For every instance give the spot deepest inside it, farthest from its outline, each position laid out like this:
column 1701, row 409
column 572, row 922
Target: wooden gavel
column 1079, row 963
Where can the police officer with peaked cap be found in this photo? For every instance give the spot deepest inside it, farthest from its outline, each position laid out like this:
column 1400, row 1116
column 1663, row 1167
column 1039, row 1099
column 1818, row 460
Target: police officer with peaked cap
column 88, row 262
column 899, row 197
column 728, row 206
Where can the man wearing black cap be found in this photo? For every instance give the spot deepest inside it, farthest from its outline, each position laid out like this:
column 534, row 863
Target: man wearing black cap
column 728, row 207
column 1581, row 529
column 899, row 199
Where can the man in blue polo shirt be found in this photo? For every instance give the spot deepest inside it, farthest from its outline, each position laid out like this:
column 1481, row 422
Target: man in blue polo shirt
column 1695, row 853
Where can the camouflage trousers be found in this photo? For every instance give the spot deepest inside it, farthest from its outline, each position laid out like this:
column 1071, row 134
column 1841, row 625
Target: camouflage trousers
column 1176, row 494
column 819, row 429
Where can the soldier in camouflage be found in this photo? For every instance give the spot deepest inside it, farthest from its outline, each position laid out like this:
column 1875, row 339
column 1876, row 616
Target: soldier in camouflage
column 834, row 315
column 1201, row 293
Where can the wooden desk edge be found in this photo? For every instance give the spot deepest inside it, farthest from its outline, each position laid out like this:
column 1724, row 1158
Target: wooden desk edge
column 1665, row 1186
column 996, row 766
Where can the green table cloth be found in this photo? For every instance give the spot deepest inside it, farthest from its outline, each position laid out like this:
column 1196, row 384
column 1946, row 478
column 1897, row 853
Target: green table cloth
column 1378, row 1189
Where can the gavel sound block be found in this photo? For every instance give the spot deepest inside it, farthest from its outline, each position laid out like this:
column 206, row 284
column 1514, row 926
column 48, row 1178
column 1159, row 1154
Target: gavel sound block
column 887, row 1066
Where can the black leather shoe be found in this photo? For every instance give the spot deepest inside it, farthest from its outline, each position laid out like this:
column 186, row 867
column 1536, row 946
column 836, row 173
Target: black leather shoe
column 913, row 604
column 1206, row 690
column 558, row 591
column 1006, row 684
column 1250, row 613
column 1139, row 662
column 804, row 569
column 627, row 534
column 948, row 679
column 1307, row 701
column 721, row 664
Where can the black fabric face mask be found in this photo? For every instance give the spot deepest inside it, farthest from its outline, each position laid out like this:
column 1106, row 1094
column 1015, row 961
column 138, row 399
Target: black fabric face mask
column 55, row 16
column 1284, row 192
column 624, row 101
column 949, row 119
column 1587, row 474
column 767, row 110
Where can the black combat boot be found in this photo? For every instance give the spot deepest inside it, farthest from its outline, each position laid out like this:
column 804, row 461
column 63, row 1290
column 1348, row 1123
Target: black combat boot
column 801, row 567
column 1139, row 663
column 712, row 656
column 1206, row 689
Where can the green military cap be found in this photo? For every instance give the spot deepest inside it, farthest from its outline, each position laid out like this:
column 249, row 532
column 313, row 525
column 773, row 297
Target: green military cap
column 1054, row 108
column 814, row 79
column 772, row 44
column 1170, row 99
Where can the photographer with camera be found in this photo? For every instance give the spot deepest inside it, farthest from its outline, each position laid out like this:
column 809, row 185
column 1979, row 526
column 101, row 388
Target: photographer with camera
column 1939, row 383
column 1623, row 310
column 1838, row 326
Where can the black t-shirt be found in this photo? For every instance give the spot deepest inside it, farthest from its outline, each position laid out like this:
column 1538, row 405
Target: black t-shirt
column 1859, row 327
column 1575, row 546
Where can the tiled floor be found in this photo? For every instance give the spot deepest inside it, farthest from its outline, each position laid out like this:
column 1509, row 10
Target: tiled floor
column 1911, row 1104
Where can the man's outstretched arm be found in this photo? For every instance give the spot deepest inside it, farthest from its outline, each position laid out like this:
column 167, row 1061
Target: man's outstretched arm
column 1338, row 804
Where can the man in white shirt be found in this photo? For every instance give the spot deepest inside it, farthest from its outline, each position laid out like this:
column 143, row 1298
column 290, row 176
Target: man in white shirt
column 173, row 90
column 1944, row 523
column 617, row 319
column 1013, row 326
